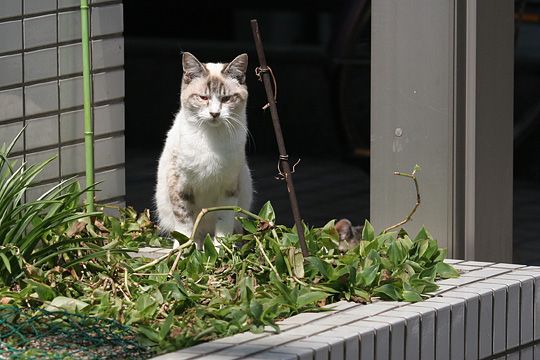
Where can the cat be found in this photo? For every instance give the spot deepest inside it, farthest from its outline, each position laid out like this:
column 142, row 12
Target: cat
column 203, row 163
column 349, row 235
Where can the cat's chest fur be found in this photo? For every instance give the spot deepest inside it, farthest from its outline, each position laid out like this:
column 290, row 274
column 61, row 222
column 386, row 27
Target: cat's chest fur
column 207, row 163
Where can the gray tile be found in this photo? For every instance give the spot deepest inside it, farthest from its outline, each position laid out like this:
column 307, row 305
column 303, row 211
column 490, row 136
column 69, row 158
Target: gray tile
column 485, row 319
column 40, row 64
column 107, row 53
column 72, row 159
column 51, row 170
column 508, row 266
column 8, row 132
column 320, row 350
column 442, row 289
column 341, row 305
column 308, row 329
column 112, row 184
column 365, row 337
column 10, row 36
column 35, row 192
column 370, row 332
column 335, row 344
column 62, row 4
column 238, row 338
column 442, row 329
column 460, row 281
column 397, row 331
column 499, row 314
column 107, row 20
column 304, row 318
column 276, row 340
column 242, row 350
column 11, row 104
column 41, row 98
column 466, row 268
column 71, row 92
column 351, row 341
column 10, row 8
column 527, row 354
column 370, row 309
column 39, row 31
column 477, row 263
column 457, row 325
column 536, row 319
column 38, row 6
column 108, row 85
column 69, row 26
column 512, row 310
column 41, row 132
column 70, row 59
column 283, row 355
column 109, row 118
column 340, row 319
column 109, row 151
column 472, row 304
column 527, row 307
column 427, row 330
column 10, row 69
column 453, row 261
column 412, row 331
column 487, row 272
column 280, row 351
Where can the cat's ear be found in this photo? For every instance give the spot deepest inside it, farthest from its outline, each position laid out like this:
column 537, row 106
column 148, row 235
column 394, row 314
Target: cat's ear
column 237, row 68
column 192, row 67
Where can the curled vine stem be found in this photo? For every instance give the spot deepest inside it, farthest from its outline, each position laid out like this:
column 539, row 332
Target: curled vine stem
column 408, row 217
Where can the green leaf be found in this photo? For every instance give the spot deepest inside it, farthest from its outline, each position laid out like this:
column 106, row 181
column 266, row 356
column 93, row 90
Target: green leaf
column 411, row 296
column 66, row 303
column 249, row 225
column 369, row 274
column 446, row 271
column 166, row 326
column 310, row 298
column 6, row 261
column 423, row 234
column 296, row 259
column 396, row 253
column 267, row 212
column 181, row 238
column 210, row 252
column 149, row 333
column 256, row 310
column 388, row 291
column 368, row 233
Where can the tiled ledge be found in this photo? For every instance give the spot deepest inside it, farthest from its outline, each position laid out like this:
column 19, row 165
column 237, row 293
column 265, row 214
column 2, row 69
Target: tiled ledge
column 491, row 309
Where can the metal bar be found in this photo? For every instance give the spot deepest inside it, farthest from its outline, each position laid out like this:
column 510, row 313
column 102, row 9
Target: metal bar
column 87, row 100
column 283, row 157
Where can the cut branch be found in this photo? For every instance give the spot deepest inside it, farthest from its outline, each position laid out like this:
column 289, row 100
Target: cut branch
column 409, row 217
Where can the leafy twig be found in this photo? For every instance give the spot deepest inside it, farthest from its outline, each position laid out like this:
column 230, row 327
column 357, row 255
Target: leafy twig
column 261, row 247
column 409, row 217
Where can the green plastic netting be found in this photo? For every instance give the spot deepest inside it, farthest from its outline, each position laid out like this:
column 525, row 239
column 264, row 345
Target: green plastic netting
column 42, row 334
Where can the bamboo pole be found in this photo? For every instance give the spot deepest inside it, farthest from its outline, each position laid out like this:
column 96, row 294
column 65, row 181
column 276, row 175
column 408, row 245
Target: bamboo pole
column 283, row 157
column 87, row 100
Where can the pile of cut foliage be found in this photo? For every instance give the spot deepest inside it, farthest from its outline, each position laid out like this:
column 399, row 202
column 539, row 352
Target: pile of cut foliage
column 55, row 256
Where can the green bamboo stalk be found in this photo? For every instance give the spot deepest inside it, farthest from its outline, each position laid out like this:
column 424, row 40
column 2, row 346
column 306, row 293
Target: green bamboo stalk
column 87, row 98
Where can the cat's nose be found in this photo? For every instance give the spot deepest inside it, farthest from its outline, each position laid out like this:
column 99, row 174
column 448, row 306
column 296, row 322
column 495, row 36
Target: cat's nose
column 214, row 114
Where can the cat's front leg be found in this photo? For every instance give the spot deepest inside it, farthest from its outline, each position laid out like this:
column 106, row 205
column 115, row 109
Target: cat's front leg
column 225, row 219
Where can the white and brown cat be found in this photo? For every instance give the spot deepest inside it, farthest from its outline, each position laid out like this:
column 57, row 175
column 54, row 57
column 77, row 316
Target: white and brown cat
column 203, row 163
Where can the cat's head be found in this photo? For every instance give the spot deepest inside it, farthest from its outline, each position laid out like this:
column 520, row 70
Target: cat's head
column 214, row 93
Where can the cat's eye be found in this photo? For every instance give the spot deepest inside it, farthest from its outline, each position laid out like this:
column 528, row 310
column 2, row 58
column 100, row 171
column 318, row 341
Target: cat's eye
column 226, row 98
column 203, row 97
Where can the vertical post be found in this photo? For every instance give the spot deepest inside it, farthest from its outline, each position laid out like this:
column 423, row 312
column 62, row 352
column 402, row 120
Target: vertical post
column 489, row 129
column 283, row 157
column 441, row 96
column 87, row 100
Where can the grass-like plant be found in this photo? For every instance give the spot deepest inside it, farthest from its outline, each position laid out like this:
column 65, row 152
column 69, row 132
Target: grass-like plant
column 29, row 230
